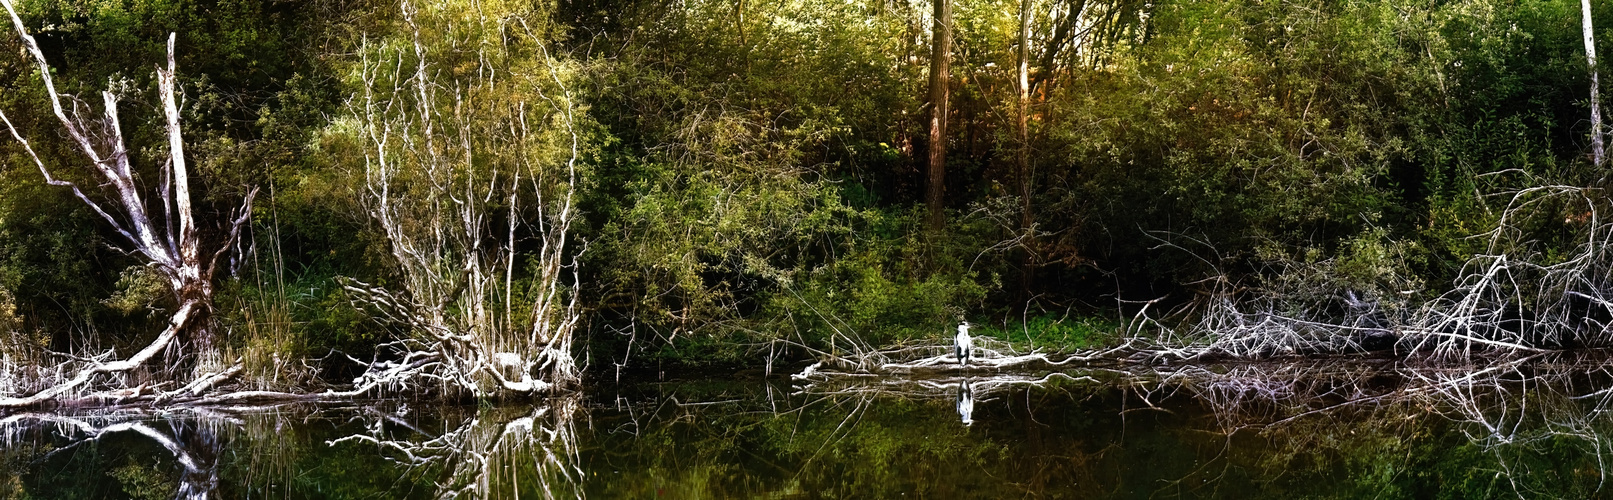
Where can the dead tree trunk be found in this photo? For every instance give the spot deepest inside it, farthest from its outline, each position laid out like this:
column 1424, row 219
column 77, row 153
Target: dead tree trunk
column 169, row 244
column 446, row 159
column 940, row 93
column 1597, row 150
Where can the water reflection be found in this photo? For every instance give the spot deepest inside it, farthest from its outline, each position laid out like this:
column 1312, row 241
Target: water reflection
column 192, row 443
column 1537, row 427
column 487, row 454
column 498, row 452
column 966, row 403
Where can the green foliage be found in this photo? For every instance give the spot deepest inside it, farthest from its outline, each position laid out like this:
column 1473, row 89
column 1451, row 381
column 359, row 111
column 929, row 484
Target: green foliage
column 752, row 169
column 53, row 259
column 144, row 482
column 1233, row 131
column 1053, row 333
column 138, row 289
column 734, row 199
column 879, row 291
column 1309, row 146
column 9, row 322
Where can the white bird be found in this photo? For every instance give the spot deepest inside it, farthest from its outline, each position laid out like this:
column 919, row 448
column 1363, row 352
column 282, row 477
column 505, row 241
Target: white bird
column 962, row 343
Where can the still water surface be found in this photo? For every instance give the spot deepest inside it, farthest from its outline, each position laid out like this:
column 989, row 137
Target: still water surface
column 1531, row 428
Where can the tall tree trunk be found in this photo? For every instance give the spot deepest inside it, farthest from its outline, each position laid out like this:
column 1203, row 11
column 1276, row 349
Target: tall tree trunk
column 739, row 23
column 940, row 92
column 1027, row 219
column 1596, row 99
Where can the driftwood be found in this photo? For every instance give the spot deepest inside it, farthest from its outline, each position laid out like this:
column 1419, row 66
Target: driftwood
column 989, row 357
column 1514, row 299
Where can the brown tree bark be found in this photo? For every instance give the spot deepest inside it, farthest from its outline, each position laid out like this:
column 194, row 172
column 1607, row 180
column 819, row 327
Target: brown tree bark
column 1027, row 218
column 940, row 93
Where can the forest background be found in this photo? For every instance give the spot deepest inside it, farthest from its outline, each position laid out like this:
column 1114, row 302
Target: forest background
column 751, row 176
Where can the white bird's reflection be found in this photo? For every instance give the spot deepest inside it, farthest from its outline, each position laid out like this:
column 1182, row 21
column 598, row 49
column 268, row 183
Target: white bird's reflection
column 966, row 403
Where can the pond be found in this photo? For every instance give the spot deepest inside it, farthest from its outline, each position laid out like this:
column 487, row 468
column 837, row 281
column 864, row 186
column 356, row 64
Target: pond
column 1535, row 427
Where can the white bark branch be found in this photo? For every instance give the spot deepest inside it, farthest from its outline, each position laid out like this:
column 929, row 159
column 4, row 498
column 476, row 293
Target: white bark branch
column 86, row 375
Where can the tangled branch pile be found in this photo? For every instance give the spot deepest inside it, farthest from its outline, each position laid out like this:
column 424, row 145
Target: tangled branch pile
column 1514, row 297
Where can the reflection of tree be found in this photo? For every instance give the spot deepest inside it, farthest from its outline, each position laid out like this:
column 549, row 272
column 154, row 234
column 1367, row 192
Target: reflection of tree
column 194, row 444
column 1535, row 426
column 1532, row 426
column 496, row 453
column 526, row 452
column 720, row 441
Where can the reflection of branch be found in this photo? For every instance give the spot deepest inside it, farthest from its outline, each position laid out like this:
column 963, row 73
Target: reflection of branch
column 1516, row 407
column 197, row 452
column 479, row 452
column 474, row 456
column 983, row 386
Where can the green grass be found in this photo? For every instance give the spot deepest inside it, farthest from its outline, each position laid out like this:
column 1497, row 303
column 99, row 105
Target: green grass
column 1054, row 334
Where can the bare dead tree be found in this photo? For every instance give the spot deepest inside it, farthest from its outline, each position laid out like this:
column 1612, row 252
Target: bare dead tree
column 170, row 244
column 446, row 158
